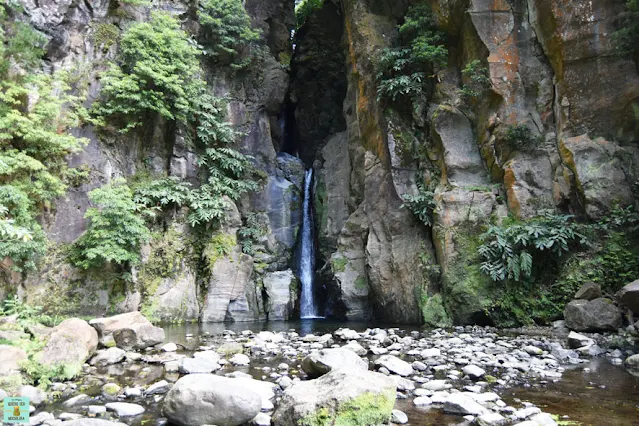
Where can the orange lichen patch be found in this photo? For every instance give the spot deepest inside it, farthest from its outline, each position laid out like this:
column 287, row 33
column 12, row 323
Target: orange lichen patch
column 510, row 183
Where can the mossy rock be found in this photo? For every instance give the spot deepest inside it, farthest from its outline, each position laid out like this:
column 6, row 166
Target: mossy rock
column 367, row 409
column 231, row 348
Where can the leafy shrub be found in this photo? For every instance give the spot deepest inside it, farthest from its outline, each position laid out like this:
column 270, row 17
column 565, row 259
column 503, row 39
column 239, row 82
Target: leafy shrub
column 421, row 205
column 163, row 192
column 476, row 80
column 158, row 73
column 400, row 71
column 250, row 233
column 508, row 250
column 226, row 32
column 115, row 230
column 304, row 9
column 520, row 137
column 626, row 38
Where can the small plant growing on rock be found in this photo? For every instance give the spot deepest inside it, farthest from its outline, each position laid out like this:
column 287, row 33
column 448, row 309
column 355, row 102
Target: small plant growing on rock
column 421, row 205
column 508, row 250
column 404, row 71
column 476, row 78
column 226, row 32
column 304, row 9
column 626, row 39
column 521, row 138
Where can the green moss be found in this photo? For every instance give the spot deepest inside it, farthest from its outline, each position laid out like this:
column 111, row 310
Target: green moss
column 339, row 264
column 361, row 282
column 433, row 311
column 367, row 409
column 105, row 35
column 490, row 379
column 111, row 389
column 219, row 245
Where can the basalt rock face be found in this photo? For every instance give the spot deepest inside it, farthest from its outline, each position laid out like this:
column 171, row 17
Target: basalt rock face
column 169, row 285
column 551, row 66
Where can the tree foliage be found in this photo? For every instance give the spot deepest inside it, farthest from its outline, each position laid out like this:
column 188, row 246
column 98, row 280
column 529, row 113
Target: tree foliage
column 404, row 70
column 36, row 113
column 476, row 80
column 520, row 137
column 226, row 32
column 626, row 38
column 116, row 230
column 158, row 72
column 304, row 9
column 509, row 250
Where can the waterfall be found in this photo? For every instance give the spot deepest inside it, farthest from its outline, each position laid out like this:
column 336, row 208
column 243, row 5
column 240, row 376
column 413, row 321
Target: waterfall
column 306, row 260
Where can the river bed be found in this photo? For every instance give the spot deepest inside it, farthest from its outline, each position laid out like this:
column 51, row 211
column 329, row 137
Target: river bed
column 593, row 393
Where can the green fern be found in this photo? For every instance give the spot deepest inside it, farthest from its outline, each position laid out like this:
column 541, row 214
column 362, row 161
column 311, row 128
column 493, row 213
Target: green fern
column 508, row 250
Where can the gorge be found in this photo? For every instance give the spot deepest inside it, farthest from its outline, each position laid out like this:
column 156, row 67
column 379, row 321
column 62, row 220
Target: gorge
column 395, row 178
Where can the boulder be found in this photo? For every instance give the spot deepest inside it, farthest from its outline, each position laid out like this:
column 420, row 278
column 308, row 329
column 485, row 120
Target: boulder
column 10, row 358
column 592, row 315
column 125, row 409
column 200, row 365
column 206, row 399
column 318, row 363
column 628, row 296
column 588, row 291
column 458, row 403
column 341, row 396
column 576, row 340
column 395, row 365
column 281, row 299
column 106, row 326
column 474, row 372
column 108, row 357
column 36, row 395
column 71, row 343
column 632, row 362
column 138, row 337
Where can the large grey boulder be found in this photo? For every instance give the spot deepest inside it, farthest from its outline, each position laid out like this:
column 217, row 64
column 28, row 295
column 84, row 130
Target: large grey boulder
column 395, row 365
column 279, row 287
column 318, row 363
column 108, row 357
column 628, row 296
column 138, row 337
column 10, row 358
column 588, row 291
column 106, row 326
column 71, row 343
column 206, row 399
column 335, row 396
column 576, row 340
column 592, row 315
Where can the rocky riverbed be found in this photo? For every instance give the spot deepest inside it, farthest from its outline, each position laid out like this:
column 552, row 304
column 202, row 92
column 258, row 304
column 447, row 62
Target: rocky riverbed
column 311, row 373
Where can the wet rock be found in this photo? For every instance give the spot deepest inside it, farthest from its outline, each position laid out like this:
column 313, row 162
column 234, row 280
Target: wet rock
column 632, row 363
column 285, row 382
column 198, row 366
column 36, row 395
column 347, row 334
column 138, row 337
column 491, row 419
column 335, row 396
column 78, row 400
column 169, row 347
column 240, row 360
column 71, row 343
column 133, row 392
column 125, row 409
column 543, row 419
column 158, row 388
column 436, row 385
column 422, row 401
column 318, row 363
column 230, row 348
column 110, row 391
column 399, row 417
column 108, row 357
column 106, row 326
column 10, row 359
column 261, row 419
column 588, row 291
column 206, row 399
column 594, row 315
column 395, row 365
column 576, row 340
column 95, row 410
column 474, row 372
column 461, row 404
column 532, row 350
column 356, row 347
column 70, row 416
column 40, row 418
column 628, row 296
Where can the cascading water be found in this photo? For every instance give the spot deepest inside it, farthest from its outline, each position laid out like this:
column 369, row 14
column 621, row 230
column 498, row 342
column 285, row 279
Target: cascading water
column 306, row 260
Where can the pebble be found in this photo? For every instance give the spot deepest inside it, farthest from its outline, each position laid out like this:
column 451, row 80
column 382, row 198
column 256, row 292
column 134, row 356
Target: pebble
column 125, row 409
